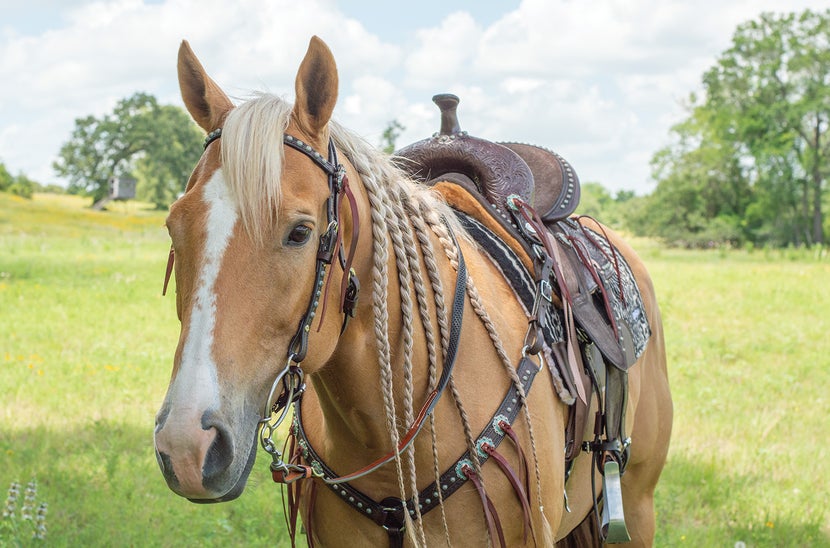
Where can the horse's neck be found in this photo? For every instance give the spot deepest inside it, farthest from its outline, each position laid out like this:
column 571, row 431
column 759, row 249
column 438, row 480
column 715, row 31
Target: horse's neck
column 350, row 386
column 352, row 423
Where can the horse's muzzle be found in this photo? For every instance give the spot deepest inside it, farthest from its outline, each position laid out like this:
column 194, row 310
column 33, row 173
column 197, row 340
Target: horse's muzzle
column 197, row 460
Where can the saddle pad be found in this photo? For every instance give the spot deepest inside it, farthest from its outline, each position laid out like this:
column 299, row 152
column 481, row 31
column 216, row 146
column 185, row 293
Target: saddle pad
column 511, row 267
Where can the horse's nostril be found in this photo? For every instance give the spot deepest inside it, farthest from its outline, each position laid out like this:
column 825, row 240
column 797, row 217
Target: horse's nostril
column 167, row 468
column 218, row 458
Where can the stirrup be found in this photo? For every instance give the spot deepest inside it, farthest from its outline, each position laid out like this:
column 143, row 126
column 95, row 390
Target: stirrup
column 613, row 527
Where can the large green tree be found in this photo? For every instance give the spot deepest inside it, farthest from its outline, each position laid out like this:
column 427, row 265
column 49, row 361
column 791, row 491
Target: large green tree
column 158, row 144
column 752, row 160
column 165, row 165
column 772, row 88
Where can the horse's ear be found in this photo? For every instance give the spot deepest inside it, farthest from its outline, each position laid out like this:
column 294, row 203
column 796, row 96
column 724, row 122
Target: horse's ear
column 315, row 88
column 204, row 99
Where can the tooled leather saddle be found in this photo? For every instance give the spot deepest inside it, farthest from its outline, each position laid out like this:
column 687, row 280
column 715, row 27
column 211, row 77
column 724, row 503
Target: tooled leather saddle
column 499, row 175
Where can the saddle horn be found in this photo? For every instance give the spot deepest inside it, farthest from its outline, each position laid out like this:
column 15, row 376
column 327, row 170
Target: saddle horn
column 452, row 154
column 448, row 103
column 494, row 170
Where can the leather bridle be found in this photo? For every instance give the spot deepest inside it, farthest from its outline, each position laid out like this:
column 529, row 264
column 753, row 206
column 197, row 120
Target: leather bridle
column 291, row 377
column 288, row 385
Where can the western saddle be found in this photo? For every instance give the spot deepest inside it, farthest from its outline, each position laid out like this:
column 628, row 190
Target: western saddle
column 498, row 176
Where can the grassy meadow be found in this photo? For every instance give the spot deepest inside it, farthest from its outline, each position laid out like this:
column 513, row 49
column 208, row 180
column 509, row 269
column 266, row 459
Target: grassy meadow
column 86, row 343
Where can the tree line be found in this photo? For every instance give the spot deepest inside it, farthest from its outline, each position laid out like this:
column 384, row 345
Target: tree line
column 747, row 166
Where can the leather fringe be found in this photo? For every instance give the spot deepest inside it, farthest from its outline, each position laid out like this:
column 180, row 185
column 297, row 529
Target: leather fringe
column 491, row 515
column 520, row 491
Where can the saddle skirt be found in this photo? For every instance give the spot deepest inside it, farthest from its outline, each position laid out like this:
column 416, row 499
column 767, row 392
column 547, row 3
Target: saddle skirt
column 616, row 276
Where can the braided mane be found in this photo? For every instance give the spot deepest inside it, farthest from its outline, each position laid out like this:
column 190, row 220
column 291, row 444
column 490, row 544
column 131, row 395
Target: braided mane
column 408, row 212
column 406, row 215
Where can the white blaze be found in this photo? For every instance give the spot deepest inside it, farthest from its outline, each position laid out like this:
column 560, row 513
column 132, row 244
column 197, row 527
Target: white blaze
column 196, row 382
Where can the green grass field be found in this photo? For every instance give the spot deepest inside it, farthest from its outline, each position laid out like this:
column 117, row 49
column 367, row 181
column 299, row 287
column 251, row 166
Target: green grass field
column 86, row 343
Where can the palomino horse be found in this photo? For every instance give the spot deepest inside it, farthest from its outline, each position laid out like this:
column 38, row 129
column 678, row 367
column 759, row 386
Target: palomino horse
column 285, row 216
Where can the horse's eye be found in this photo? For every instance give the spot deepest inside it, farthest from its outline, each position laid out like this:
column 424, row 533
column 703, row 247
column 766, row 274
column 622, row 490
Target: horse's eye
column 299, row 235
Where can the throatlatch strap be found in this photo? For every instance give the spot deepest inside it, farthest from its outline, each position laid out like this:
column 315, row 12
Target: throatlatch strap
column 170, row 258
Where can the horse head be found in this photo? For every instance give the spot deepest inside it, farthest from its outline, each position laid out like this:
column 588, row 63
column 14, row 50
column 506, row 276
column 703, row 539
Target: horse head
column 245, row 237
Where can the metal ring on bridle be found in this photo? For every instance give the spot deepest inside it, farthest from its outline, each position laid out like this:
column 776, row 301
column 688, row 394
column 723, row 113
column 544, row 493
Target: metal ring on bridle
column 268, row 424
column 269, row 403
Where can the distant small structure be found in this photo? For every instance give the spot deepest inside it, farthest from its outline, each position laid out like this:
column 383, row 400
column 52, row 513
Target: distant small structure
column 120, row 188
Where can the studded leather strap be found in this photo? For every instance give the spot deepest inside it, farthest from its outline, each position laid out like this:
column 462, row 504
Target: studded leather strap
column 386, row 513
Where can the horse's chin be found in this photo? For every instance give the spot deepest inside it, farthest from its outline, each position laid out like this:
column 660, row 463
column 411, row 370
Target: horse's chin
column 233, row 494
column 239, row 487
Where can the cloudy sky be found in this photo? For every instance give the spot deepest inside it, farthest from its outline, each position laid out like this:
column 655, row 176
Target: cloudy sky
column 601, row 82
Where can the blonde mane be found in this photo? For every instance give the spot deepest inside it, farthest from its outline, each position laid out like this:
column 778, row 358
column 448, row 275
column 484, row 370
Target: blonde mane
column 252, row 159
column 253, row 156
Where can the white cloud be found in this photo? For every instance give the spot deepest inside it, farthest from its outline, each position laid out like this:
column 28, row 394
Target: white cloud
column 442, row 52
column 108, row 50
column 600, row 81
column 369, row 105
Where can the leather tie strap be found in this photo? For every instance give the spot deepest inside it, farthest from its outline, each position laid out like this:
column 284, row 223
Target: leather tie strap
column 309, row 522
column 170, row 258
column 294, row 489
column 492, row 517
column 521, row 493
column 510, row 433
